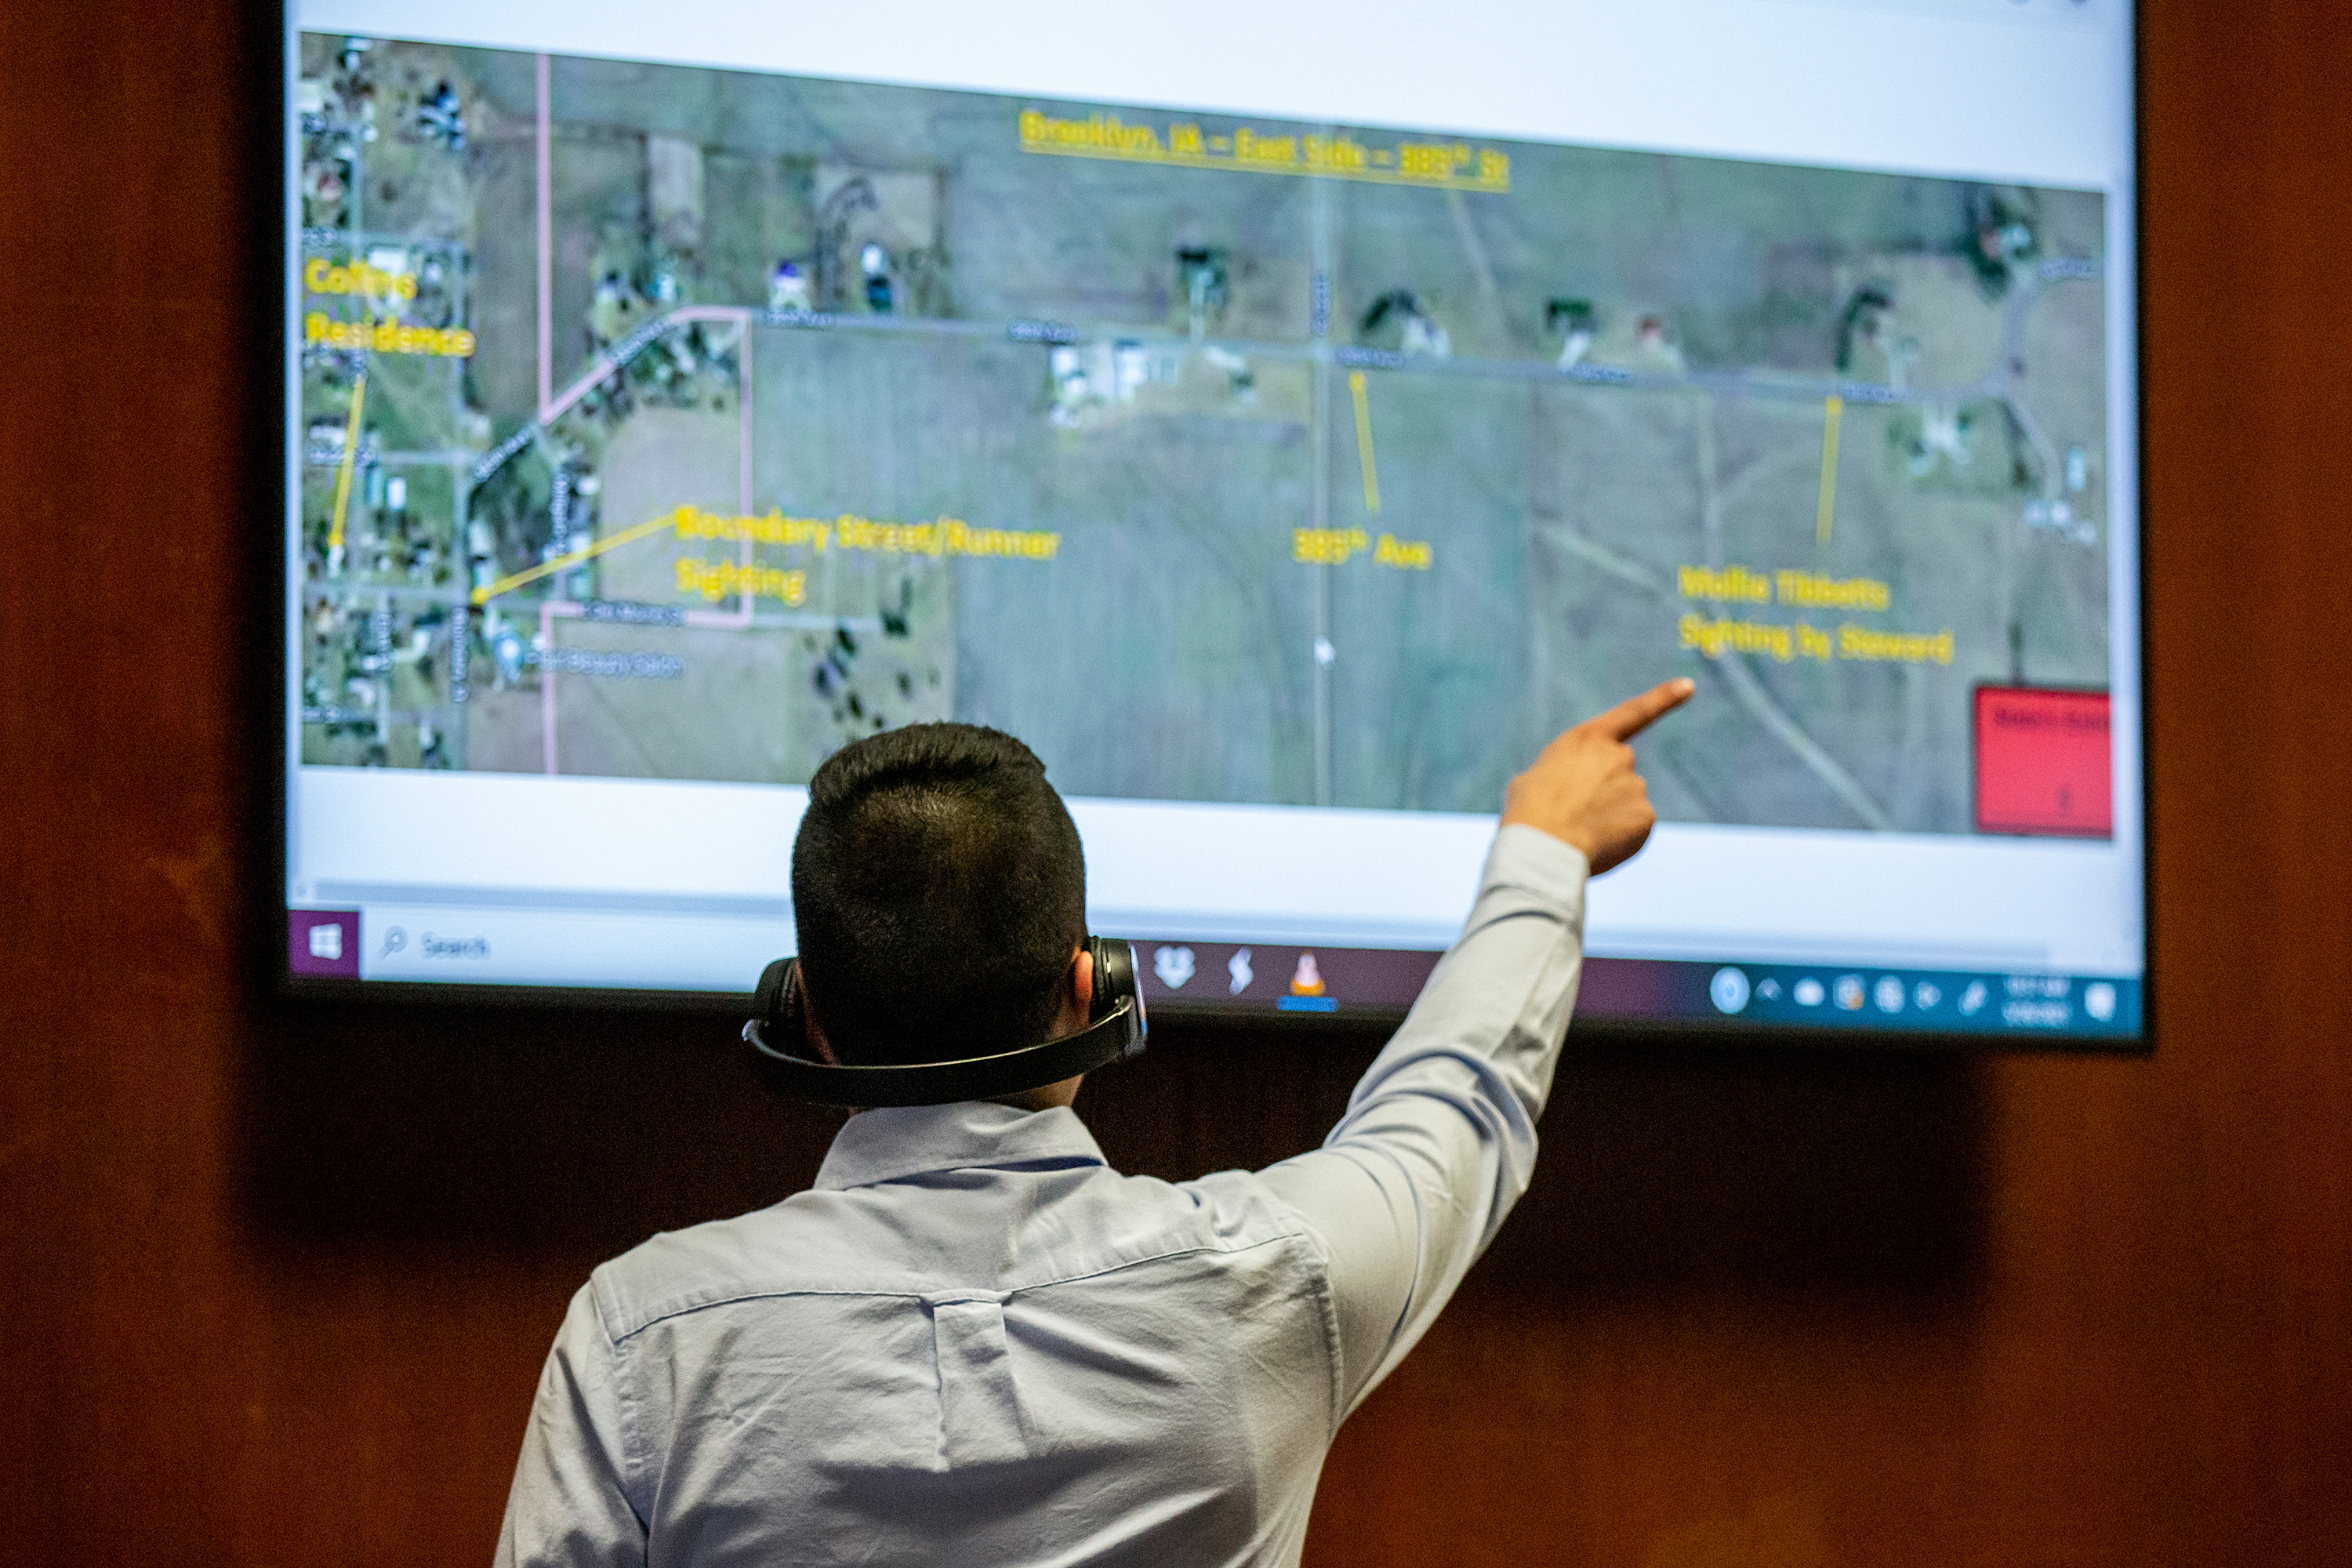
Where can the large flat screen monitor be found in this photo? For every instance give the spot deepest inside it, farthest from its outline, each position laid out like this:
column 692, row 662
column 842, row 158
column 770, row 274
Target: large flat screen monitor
column 1282, row 418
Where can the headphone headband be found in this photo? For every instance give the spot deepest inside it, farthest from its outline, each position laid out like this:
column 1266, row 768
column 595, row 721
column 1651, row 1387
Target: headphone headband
column 1118, row 1030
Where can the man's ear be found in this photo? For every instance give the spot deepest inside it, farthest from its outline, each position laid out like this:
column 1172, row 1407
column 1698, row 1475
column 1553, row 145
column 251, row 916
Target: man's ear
column 1078, row 997
column 813, row 1030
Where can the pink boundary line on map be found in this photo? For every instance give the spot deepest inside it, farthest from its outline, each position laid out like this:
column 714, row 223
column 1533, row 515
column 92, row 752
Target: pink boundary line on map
column 546, row 204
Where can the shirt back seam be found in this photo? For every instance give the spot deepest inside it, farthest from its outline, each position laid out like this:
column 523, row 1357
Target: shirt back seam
column 766, row 1293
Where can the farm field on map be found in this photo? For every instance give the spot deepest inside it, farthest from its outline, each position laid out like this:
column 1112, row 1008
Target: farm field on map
column 1335, row 465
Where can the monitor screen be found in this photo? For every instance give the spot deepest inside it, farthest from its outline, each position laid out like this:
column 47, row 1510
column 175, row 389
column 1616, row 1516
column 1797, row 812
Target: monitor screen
column 1284, row 421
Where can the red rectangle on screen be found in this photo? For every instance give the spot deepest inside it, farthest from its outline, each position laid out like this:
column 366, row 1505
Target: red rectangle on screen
column 2043, row 763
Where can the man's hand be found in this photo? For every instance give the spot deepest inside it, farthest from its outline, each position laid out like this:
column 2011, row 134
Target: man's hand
column 1583, row 790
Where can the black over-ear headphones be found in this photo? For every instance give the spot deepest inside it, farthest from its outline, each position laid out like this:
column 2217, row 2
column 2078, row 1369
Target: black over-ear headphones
column 779, row 1028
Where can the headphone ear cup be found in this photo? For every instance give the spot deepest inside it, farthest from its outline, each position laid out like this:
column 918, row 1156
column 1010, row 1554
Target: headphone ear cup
column 1115, row 980
column 773, row 1001
column 768, row 1000
column 1122, row 986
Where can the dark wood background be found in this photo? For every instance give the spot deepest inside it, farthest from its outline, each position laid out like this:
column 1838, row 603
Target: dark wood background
column 278, row 1279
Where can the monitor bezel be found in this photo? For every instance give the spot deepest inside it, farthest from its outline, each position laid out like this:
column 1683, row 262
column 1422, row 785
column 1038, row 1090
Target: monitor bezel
column 285, row 986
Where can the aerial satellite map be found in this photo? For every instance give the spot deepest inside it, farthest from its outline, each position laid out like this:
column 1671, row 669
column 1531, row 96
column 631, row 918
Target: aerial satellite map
column 667, row 422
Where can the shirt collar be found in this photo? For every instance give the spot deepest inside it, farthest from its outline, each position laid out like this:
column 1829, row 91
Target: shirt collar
column 909, row 1140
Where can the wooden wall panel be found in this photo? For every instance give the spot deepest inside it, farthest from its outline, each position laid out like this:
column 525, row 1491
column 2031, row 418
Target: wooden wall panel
column 276, row 1279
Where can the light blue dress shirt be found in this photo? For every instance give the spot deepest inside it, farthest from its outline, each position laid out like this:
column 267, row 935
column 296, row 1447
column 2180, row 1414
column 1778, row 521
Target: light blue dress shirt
column 973, row 1342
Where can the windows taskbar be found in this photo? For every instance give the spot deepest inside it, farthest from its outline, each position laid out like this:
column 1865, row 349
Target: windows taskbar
column 1236, row 978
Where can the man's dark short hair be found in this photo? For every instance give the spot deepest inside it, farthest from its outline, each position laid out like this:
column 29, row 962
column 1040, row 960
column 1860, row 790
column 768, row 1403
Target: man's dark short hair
column 939, row 892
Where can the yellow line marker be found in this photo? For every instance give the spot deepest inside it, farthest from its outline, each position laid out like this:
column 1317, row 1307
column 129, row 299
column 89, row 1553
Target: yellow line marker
column 564, row 562
column 1833, row 410
column 350, row 452
column 1364, row 443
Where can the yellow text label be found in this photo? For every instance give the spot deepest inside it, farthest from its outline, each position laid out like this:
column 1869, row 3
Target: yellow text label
column 387, row 337
column 716, row 580
column 356, row 278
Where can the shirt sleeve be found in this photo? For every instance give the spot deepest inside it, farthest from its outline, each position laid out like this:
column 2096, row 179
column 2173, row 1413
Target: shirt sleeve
column 569, row 1504
column 1440, row 1137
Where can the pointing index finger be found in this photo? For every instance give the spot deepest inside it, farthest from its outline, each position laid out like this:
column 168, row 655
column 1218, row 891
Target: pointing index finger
column 1635, row 714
